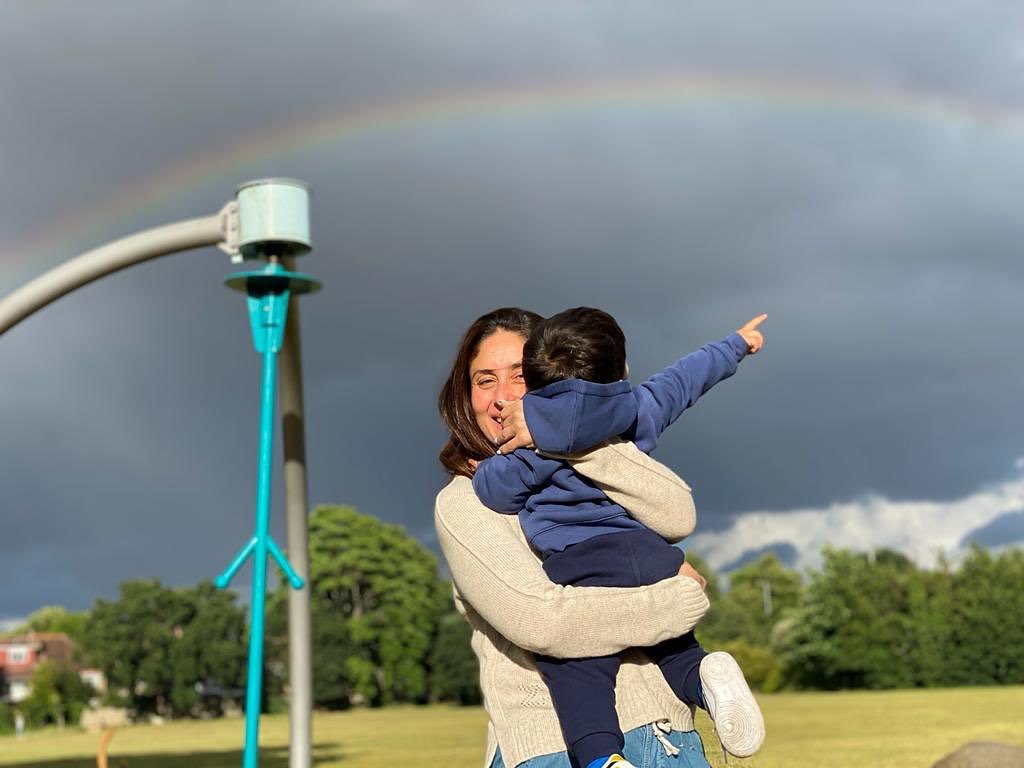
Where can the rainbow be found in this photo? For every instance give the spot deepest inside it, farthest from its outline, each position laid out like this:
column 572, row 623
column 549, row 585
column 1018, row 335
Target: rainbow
column 70, row 234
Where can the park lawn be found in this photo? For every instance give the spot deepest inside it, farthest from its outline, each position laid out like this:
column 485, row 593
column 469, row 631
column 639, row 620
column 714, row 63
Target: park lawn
column 891, row 729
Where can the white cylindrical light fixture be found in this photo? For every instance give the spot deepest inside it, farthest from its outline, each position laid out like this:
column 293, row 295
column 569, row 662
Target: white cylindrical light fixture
column 273, row 218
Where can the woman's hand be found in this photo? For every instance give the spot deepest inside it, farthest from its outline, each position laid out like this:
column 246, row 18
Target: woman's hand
column 514, row 432
column 688, row 570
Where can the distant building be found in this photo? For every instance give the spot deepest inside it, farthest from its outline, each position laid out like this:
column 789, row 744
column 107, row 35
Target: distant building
column 95, row 678
column 20, row 655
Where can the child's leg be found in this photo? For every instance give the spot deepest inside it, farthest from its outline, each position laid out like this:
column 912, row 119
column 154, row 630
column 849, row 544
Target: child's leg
column 731, row 705
column 714, row 682
column 583, row 693
column 679, row 659
column 629, row 559
column 583, row 690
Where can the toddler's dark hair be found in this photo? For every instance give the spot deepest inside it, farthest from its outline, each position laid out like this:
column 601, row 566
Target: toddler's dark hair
column 580, row 343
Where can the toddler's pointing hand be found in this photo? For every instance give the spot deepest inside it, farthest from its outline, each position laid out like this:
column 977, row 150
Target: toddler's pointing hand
column 750, row 334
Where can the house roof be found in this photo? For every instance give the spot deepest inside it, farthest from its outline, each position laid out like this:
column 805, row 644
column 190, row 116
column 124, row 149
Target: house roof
column 52, row 646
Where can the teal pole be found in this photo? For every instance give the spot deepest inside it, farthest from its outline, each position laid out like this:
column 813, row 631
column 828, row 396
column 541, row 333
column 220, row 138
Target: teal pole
column 268, row 293
column 259, row 578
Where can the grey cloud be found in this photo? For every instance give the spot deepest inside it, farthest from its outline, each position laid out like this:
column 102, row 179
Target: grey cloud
column 883, row 245
column 1005, row 529
column 784, row 551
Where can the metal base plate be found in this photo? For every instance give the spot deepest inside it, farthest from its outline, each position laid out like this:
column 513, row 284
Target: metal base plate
column 260, row 283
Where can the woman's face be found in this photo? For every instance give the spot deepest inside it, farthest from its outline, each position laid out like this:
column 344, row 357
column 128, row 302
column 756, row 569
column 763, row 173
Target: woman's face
column 496, row 373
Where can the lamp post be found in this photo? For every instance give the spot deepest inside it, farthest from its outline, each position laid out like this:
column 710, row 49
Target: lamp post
column 278, row 228
column 236, row 229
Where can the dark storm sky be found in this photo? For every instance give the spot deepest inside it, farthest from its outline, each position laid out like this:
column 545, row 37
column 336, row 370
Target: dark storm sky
column 852, row 169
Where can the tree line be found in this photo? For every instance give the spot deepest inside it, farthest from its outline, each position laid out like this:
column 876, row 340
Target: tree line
column 385, row 630
column 873, row 620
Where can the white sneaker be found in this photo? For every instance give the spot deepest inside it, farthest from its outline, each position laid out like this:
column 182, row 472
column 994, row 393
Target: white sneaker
column 731, row 705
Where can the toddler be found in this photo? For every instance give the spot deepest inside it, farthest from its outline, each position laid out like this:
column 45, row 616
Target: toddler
column 574, row 364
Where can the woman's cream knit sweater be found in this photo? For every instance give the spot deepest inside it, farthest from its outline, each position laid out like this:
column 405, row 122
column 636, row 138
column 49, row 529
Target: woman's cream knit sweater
column 516, row 611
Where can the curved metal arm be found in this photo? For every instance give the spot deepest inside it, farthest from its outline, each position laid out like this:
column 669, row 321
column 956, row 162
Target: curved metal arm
column 94, row 264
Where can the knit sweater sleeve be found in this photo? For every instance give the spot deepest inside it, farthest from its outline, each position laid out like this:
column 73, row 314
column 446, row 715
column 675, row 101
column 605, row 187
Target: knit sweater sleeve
column 495, row 571
column 651, row 492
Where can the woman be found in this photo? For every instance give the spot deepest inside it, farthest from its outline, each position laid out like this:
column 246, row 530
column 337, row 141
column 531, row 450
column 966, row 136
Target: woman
column 515, row 611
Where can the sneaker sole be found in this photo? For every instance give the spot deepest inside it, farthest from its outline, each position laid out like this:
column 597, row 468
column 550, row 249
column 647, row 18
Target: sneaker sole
column 737, row 717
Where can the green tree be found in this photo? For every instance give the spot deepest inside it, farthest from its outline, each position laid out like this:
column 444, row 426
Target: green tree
column 742, row 619
column 454, row 671
column 54, row 618
column 760, row 593
column 988, row 619
column 43, row 704
column 877, row 621
column 377, row 598
column 331, row 645
column 131, row 638
column 210, row 654
column 852, row 629
column 75, row 694
column 760, row 667
column 275, row 649
column 930, row 607
column 6, row 718
column 155, row 644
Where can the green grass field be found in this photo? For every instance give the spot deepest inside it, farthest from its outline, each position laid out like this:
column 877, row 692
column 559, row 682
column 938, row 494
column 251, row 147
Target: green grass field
column 894, row 729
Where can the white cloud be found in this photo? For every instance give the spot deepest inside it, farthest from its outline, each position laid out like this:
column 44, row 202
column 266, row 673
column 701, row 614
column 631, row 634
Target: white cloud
column 919, row 529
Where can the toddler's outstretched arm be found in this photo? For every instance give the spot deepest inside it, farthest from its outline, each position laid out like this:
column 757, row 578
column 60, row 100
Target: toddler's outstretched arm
column 585, row 414
column 663, row 397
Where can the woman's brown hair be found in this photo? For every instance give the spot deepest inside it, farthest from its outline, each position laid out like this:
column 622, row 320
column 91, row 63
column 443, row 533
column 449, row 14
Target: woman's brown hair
column 465, row 440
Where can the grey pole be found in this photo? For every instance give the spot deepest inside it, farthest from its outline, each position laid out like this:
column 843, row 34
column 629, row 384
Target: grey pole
column 94, row 264
column 222, row 230
column 300, row 651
